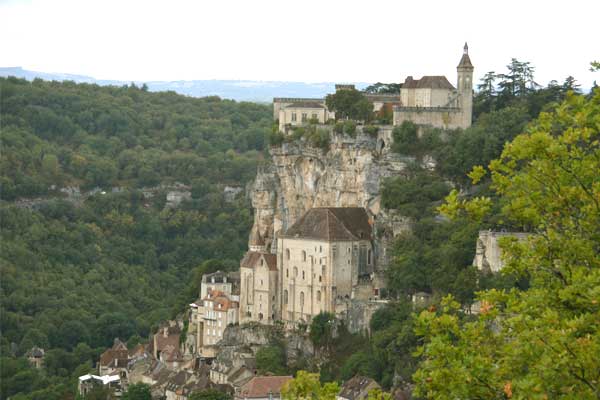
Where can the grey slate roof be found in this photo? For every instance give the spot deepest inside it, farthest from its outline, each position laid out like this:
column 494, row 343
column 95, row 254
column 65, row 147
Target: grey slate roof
column 332, row 224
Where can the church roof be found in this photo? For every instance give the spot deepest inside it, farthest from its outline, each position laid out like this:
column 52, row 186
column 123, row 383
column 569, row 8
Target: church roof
column 332, row 224
column 252, row 258
column 427, row 82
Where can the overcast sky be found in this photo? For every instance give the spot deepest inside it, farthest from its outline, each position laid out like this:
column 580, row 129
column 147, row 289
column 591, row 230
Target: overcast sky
column 303, row 40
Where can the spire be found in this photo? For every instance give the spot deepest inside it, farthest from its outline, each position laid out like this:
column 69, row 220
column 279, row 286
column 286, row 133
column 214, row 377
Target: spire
column 465, row 61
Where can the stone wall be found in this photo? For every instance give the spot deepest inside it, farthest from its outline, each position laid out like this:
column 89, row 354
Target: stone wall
column 488, row 254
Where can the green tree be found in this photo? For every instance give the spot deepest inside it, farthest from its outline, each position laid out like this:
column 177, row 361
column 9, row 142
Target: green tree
column 541, row 342
column 350, row 104
column 321, row 329
column 306, row 386
column 138, row 391
column 271, row 359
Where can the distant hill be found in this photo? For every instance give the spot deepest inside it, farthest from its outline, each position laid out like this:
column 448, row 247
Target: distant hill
column 257, row 91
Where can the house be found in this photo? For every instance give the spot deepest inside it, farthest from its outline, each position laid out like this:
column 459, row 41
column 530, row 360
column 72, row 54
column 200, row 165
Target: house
column 217, row 310
column 114, row 359
column 35, row 356
column 86, row 383
column 357, row 388
column 167, row 338
column 321, row 259
column 263, row 388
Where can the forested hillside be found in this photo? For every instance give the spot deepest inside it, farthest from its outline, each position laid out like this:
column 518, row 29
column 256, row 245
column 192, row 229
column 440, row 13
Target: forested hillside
column 76, row 277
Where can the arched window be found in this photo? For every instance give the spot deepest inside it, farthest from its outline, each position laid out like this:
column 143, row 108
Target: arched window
column 303, row 255
column 318, row 295
column 301, row 299
column 287, row 253
column 287, row 272
column 303, row 275
column 285, row 296
column 369, row 256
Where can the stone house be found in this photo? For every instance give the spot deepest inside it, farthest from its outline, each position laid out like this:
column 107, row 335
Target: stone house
column 88, row 382
column 165, row 344
column 114, row 359
column 357, row 388
column 217, row 310
column 320, row 260
column 259, row 291
column 262, row 388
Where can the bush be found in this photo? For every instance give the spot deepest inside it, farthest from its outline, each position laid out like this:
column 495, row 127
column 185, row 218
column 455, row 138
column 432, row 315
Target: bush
column 350, row 128
column 276, row 138
column 271, row 359
column 339, row 127
column 371, row 130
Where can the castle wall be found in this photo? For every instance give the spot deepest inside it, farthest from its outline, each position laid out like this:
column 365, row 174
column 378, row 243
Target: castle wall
column 446, row 118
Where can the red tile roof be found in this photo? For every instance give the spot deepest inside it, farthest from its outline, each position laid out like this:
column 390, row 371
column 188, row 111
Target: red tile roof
column 261, row 386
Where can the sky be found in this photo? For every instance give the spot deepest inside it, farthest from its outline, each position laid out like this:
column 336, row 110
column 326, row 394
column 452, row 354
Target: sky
column 303, row 40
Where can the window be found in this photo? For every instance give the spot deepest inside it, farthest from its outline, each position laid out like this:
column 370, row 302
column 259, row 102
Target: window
column 314, row 116
column 287, row 253
column 301, row 299
column 262, row 262
column 320, row 249
column 304, row 117
column 323, row 269
column 318, row 295
column 369, row 256
column 293, row 117
column 348, row 250
column 285, row 296
column 303, row 276
column 287, row 272
column 303, row 255
column 334, row 251
column 261, row 282
column 319, row 278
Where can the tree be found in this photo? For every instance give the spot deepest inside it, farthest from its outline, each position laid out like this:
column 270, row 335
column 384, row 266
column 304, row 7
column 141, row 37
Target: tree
column 138, row 391
column 271, row 359
column 350, row 104
column 321, row 329
column 306, row 386
column 210, row 394
column 540, row 342
column 378, row 394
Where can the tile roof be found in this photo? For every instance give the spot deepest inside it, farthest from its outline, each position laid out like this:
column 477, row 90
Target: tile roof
column 252, row 258
column 261, row 386
column 222, row 302
column 427, row 82
column 332, row 224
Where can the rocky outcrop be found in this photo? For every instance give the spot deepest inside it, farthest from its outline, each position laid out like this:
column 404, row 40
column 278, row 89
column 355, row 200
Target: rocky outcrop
column 349, row 174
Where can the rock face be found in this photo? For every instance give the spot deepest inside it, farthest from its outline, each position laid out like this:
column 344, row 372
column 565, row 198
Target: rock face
column 349, row 174
column 488, row 253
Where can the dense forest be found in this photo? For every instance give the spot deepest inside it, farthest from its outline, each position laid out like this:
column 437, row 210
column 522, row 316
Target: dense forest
column 75, row 276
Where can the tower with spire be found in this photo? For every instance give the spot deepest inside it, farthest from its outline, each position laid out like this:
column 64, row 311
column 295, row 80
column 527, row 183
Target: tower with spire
column 464, row 85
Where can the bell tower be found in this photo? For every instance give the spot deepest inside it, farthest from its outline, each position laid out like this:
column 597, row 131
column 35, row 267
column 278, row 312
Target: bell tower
column 464, row 86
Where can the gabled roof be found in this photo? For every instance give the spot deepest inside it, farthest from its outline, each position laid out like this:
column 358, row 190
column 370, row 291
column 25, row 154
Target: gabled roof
column 262, row 386
column 252, row 259
column 427, row 82
column 354, row 388
column 332, row 224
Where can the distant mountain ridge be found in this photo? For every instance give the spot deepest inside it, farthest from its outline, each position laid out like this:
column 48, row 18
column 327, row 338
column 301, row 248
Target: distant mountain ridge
column 242, row 90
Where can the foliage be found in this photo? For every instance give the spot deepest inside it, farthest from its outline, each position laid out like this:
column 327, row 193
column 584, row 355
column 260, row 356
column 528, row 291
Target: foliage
column 137, row 391
column 271, row 359
column 77, row 275
column 350, row 128
column 316, row 137
column 321, row 329
column 371, row 130
column 306, row 386
column 540, row 342
column 350, row 104
column 377, row 394
column 413, row 195
column 210, row 394
column 384, row 88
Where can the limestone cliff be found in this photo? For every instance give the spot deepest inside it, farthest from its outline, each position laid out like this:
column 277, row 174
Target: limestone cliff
column 349, row 174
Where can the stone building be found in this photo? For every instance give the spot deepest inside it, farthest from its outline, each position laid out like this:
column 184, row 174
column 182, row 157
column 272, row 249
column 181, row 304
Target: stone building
column 259, row 291
column 357, row 388
column 320, row 259
column 219, row 311
column 431, row 100
column 263, row 388
column 35, row 356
